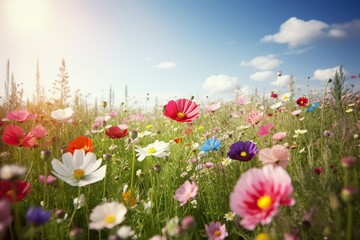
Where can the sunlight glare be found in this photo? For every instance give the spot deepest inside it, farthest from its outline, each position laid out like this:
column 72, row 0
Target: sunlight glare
column 27, row 15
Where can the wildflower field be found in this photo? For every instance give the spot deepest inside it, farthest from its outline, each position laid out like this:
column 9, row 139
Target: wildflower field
column 278, row 166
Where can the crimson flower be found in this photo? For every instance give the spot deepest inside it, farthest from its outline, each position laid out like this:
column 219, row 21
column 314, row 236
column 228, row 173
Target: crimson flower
column 117, row 132
column 14, row 135
column 81, row 142
column 274, row 95
column 181, row 110
column 302, row 101
column 14, row 191
column 20, row 116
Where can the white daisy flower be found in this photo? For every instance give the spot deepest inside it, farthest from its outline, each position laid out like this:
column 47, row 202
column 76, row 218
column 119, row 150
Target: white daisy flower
column 79, row 169
column 286, row 97
column 63, row 115
column 107, row 215
column 157, row 149
column 124, row 232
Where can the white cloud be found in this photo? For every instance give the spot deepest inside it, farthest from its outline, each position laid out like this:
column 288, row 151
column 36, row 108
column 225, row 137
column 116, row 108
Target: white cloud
column 295, row 32
column 262, row 76
column 325, row 74
column 166, row 65
column 283, row 80
column 263, row 62
column 219, row 84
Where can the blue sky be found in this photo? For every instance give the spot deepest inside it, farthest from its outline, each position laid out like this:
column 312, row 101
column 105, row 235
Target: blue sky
column 172, row 48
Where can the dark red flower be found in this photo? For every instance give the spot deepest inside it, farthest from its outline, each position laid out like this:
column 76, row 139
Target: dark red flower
column 318, row 170
column 116, row 132
column 302, row 101
column 14, row 191
column 274, row 95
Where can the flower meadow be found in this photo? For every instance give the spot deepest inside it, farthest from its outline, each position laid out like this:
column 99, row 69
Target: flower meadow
column 261, row 168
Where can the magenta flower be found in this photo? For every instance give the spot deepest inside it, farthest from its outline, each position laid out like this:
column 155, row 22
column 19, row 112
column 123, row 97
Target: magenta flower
column 265, row 129
column 277, row 155
column 216, row 231
column 185, row 192
column 20, row 116
column 13, row 135
column 181, row 110
column 259, row 193
column 48, row 180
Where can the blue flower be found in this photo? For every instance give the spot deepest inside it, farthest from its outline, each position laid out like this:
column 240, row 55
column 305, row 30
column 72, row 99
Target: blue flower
column 37, row 216
column 211, row 144
column 313, row 107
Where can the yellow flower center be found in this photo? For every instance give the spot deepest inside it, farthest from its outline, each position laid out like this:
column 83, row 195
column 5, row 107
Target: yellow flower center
column 262, row 236
column 264, row 203
column 151, row 150
column 110, row 219
column 181, row 115
column 301, row 102
column 243, row 154
column 217, row 233
column 79, row 173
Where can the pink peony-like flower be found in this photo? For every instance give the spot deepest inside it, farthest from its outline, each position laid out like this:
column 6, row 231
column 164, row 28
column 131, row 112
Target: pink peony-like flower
column 277, row 155
column 265, row 129
column 181, row 110
column 213, row 107
column 185, row 192
column 216, row 231
column 259, row 193
column 279, row 136
column 254, row 117
column 242, row 101
column 20, row 116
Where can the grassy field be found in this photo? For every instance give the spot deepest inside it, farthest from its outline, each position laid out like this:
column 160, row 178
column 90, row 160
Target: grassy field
column 181, row 186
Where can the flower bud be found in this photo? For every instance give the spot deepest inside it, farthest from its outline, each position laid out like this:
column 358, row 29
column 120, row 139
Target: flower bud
column 188, row 222
column 76, row 234
column 133, row 134
column 348, row 162
column 46, row 155
column 107, row 157
column 104, row 104
column 348, row 194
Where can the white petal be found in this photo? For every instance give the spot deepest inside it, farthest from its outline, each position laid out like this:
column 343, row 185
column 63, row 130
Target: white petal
column 89, row 168
column 78, row 158
column 67, row 159
column 60, row 168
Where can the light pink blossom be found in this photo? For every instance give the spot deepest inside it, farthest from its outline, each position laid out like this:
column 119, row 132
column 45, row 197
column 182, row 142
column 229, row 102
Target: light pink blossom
column 259, row 193
column 216, row 231
column 277, row 155
column 20, row 116
column 213, row 107
column 185, row 192
column 241, row 101
column 279, row 136
column 254, row 117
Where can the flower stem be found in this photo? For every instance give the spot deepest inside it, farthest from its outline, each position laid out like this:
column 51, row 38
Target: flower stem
column 75, row 208
column 132, row 168
column 349, row 221
column 45, row 185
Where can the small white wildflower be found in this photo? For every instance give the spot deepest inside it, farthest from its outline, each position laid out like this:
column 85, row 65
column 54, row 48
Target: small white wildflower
column 189, row 168
column 226, row 161
column 229, row 216
column 138, row 172
column 147, row 206
column 349, row 110
column 302, row 150
column 79, row 202
column 113, row 147
column 184, row 174
column 124, row 232
column 301, row 119
column 194, row 203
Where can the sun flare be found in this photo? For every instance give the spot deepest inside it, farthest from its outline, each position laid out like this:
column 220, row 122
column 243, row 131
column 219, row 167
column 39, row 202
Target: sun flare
column 26, row 15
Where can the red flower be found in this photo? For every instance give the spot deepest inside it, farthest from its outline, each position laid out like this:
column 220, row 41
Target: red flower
column 318, row 170
column 181, row 110
column 302, row 101
column 81, row 142
column 13, row 135
column 116, row 132
column 274, row 95
column 178, row 140
column 14, row 191
column 188, row 131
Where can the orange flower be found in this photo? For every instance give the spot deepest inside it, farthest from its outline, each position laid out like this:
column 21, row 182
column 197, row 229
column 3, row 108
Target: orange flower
column 178, row 140
column 81, row 142
column 128, row 198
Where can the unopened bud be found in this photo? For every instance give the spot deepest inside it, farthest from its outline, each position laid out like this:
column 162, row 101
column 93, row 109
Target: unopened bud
column 188, row 222
column 348, row 194
column 133, row 134
column 104, row 104
column 107, row 157
column 46, row 155
column 348, row 162
column 76, row 234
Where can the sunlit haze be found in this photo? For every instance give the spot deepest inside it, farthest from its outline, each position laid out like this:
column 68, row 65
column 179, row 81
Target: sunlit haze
column 173, row 49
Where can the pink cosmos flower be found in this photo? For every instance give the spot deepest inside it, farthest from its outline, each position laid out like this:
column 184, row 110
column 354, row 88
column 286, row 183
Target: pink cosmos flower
column 216, row 231
column 48, row 180
column 241, row 101
column 277, row 155
column 213, row 107
column 13, row 135
column 38, row 132
column 259, row 193
column 254, row 117
column 20, row 116
column 279, row 136
column 181, row 110
column 185, row 192
column 265, row 129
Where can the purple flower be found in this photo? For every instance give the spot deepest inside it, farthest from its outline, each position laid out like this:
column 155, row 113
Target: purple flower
column 242, row 151
column 37, row 216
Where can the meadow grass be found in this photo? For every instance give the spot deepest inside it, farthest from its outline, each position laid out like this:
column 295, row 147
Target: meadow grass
column 315, row 168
